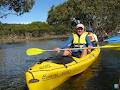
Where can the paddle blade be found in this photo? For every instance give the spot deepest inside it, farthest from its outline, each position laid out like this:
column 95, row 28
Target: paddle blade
column 34, row 51
column 112, row 46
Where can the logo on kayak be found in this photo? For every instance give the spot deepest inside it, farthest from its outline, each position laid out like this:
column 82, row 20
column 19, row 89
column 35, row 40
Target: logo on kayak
column 59, row 74
column 45, row 66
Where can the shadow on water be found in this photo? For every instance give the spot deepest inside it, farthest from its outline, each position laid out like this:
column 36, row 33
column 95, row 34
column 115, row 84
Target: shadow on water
column 109, row 72
column 82, row 80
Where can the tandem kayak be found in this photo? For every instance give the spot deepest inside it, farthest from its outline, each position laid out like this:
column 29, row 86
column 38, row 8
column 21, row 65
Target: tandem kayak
column 48, row 74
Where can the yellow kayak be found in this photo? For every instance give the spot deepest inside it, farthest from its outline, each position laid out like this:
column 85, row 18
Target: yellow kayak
column 48, row 75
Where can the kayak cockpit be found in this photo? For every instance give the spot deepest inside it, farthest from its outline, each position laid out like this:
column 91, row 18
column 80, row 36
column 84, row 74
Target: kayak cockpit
column 59, row 60
column 53, row 63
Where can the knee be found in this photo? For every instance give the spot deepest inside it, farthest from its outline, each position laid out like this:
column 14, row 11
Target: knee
column 67, row 53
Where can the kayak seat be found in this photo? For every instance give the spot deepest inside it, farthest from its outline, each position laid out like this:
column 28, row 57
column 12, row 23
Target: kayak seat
column 60, row 59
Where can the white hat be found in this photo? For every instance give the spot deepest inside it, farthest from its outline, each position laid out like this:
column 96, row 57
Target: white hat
column 80, row 25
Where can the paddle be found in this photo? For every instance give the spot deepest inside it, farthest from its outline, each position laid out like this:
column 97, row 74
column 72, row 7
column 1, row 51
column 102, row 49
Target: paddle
column 36, row 51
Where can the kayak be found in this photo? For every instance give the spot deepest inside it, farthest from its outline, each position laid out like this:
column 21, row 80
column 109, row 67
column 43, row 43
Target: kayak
column 113, row 39
column 48, row 74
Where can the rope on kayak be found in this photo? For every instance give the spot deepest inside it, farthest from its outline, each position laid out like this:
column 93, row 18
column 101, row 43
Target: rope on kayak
column 65, row 65
column 33, row 80
column 75, row 61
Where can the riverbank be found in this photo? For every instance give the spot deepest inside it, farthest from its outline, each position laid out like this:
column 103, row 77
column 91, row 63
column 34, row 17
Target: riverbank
column 15, row 39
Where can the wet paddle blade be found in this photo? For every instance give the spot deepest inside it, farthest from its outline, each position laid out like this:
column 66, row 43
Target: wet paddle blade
column 112, row 46
column 34, row 51
column 115, row 46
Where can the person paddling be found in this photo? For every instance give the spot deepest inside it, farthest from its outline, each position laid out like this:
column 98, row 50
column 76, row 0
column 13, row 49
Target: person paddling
column 78, row 39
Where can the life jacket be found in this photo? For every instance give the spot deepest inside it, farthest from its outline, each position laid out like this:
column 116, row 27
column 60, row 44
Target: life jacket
column 78, row 42
column 91, row 36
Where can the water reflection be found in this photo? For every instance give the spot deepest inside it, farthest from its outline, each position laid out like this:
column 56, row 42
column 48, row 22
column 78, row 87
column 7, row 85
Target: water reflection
column 83, row 80
column 14, row 62
column 2, row 62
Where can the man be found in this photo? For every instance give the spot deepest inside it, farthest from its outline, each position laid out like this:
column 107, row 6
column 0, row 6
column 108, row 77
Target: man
column 78, row 39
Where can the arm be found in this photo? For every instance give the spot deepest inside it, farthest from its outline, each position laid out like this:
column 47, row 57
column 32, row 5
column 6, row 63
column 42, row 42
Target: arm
column 88, row 41
column 67, row 43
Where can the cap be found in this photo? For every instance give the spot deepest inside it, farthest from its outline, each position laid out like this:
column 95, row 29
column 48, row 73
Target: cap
column 80, row 25
column 90, row 29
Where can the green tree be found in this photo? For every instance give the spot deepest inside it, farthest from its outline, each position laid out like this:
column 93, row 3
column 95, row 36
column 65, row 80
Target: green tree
column 17, row 7
column 103, row 14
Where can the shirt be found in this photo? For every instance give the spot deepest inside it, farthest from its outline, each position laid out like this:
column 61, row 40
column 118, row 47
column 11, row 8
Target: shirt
column 96, row 39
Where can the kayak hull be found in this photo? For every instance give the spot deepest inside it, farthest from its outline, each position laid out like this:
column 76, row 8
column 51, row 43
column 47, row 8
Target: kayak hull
column 49, row 75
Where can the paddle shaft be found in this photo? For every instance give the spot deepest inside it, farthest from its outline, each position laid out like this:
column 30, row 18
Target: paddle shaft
column 85, row 48
column 36, row 51
column 73, row 49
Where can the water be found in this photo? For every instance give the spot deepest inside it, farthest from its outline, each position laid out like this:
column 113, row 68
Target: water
column 102, row 75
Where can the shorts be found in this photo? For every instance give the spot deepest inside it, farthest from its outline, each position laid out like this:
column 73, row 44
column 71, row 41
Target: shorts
column 76, row 53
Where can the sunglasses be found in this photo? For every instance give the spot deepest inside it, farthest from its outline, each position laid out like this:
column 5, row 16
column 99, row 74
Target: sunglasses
column 80, row 28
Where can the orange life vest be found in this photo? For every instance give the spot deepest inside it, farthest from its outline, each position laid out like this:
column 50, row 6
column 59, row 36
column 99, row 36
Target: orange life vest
column 91, row 36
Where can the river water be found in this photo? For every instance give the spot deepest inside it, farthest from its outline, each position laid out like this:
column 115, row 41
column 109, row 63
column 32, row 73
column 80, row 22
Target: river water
column 104, row 74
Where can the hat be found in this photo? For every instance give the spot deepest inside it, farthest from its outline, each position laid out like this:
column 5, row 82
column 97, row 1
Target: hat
column 80, row 25
column 90, row 29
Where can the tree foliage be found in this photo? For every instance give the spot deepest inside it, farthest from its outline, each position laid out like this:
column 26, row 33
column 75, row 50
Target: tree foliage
column 103, row 14
column 15, row 7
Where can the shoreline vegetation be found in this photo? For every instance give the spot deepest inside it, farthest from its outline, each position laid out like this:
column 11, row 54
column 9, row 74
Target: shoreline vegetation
column 28, row 32
column 12, row 33
column 15, row 39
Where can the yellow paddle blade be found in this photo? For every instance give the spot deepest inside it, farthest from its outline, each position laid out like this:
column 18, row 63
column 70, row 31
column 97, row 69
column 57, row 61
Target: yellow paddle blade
column 116, row 45
column 34, row 51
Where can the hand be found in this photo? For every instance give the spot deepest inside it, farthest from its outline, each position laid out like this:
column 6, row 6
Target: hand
column 89, row 48
column 68, row 49
column 56, row 49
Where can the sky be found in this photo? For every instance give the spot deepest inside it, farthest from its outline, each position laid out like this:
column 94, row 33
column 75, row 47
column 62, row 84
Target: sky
column 39, row 12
